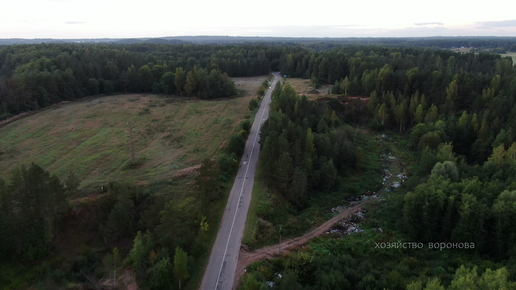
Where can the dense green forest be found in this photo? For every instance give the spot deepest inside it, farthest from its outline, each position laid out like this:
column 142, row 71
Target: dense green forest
column 35, row 76
column 453, row 114
column 446, row 201
column 454, row 117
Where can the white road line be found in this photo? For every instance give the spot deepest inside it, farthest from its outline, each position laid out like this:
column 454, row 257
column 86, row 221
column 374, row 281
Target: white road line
column 241, row 191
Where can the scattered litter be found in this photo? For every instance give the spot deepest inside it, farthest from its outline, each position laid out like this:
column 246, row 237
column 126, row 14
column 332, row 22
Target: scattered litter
column 337, row 209
column 349, row 225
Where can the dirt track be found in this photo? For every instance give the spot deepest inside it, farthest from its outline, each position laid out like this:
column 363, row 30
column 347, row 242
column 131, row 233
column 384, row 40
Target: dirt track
column 246, row 258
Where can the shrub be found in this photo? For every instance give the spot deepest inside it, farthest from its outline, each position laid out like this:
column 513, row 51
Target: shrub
column 228, row 163
column 253, row 104
column 236, row 144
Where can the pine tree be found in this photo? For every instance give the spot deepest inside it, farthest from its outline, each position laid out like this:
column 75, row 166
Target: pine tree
column 179, row 80
column 309, row 155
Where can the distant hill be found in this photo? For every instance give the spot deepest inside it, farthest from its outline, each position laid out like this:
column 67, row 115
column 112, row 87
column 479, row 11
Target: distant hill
column 485, row 42
column 12, row 41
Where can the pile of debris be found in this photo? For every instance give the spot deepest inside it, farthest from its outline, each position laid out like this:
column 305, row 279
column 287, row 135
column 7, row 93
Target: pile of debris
column 352, row 201
column 387, row 157
column 386, row 176
column 402, row 176
column 349, row 225
column 338, row 209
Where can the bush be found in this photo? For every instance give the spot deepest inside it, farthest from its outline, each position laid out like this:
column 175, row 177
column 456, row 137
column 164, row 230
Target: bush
column 374, row 125
column 108, row 88
column 227, row 163
column 92, row 86
column 5, row 116
column 245, row 126
column 236, row 144
column 261, row 91
column 253, row 104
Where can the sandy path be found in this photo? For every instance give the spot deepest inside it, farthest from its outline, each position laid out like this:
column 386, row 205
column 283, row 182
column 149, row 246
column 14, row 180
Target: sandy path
column 246, row 258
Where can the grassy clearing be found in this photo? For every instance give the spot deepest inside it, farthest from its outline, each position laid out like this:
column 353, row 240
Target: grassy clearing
column 170, row 133
column 511, row 54
column 304, row 87
column 249, row 84
column 462, row 49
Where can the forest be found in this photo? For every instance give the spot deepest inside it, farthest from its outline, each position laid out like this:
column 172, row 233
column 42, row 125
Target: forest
column 453, row 114
column 36, row 76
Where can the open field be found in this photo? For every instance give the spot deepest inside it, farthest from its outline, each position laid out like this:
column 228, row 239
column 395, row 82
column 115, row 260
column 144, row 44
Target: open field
column 511, row 54
column 249, row 84
column 304, row 87
column 170, row 133
column 468, row 49
column 462, row 49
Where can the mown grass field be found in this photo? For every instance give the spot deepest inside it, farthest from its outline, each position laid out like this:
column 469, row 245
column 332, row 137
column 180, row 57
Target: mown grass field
column 170, row 133
column 304, row 87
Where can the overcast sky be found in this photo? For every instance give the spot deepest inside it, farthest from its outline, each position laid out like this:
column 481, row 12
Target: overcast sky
column 321, row 18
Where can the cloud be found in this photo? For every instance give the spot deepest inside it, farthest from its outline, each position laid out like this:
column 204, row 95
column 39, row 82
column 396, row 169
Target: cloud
column 346, row 26
column 74, row 22
column 495, row 24
column 428, row 23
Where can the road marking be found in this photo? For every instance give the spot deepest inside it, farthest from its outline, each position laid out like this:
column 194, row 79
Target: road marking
column 241, row 191
column 245, row 162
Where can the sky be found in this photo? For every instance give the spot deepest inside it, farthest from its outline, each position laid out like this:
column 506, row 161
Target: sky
column 68, row 19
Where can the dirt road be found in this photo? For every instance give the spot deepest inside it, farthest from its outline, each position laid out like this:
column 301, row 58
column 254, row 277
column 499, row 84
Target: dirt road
column 246, row 258
column 220, row 271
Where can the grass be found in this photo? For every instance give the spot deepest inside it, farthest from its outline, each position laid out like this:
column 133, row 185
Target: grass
column 304, row 87
column 169, row 133
column 257, row 198
column 511, row 54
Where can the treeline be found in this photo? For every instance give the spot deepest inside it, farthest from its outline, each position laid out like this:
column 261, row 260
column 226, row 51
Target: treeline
column 456, row 202
column 304, row 146
column 169, row 232
column 31, row 205
column 35, row 76
column 473, row 94
column 353, row 263
column 402, row 71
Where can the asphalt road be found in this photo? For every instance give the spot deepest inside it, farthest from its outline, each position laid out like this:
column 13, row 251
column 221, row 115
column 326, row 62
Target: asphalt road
column 224, row 256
